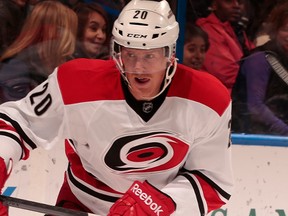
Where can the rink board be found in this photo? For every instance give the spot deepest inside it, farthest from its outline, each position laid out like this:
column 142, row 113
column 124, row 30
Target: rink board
column 261, row 180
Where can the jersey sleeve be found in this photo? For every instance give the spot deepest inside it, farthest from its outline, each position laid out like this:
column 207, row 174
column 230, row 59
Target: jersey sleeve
column 206, row 179
column 36, row 120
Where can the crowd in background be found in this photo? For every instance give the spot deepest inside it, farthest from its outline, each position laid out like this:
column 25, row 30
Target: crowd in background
column 241, row 42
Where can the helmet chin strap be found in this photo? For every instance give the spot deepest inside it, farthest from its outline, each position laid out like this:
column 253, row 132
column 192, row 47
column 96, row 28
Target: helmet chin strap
column 168, row 78
column 119, row 65
column 170, row 71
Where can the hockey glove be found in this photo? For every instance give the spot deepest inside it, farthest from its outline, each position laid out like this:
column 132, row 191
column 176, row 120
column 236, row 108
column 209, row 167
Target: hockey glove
column 3, row 178
column 143, row 199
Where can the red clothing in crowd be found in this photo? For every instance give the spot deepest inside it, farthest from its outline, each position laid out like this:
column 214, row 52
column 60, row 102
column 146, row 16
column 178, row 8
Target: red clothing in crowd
column 222, row 58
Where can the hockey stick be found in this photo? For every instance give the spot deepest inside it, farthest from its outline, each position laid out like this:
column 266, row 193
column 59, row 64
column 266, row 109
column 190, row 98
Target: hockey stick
column 40, row 207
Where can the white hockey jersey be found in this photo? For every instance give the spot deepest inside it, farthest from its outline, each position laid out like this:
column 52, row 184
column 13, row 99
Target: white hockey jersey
column 183, row 149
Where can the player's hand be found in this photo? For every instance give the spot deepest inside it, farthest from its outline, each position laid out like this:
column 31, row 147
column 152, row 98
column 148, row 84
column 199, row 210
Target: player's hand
column 3, row 177
column 143, row 199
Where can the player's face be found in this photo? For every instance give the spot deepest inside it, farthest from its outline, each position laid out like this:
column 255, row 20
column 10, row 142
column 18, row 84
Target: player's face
column 145, row 71
column 194, row 53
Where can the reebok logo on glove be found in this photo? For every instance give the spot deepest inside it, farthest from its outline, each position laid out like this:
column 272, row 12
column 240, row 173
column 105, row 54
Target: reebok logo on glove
column 147, row 199
column 142, row 198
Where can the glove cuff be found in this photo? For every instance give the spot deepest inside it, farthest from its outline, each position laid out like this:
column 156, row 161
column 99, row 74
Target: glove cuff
column 152, row 201
column 169, row 202
column 3, row 172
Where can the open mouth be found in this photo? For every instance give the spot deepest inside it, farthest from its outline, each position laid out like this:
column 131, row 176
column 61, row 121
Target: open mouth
column 141, row 80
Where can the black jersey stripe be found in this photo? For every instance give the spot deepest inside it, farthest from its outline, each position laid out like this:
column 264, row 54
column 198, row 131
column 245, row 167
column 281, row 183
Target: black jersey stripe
column 19, row 130
column 15, row 138
column 197, row 193
column 87, row 190
column 211, row 183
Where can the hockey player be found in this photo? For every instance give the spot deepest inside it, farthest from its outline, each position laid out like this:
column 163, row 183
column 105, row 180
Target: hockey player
column 153, row 139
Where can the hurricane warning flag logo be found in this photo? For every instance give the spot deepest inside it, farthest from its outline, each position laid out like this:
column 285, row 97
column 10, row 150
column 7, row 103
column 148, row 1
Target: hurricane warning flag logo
column 146, row 152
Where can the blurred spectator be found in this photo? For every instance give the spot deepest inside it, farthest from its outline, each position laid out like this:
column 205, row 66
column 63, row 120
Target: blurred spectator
column 196, row 45
column 12, row 16
column 112, row 7
column 46, row 40
column 71, row 3
column 93, row 36
column 222, row 58
column 113, row 4
column 257, row 29
column 197, row 9
column 240, row 23
column 32, row 3
column 262, row 106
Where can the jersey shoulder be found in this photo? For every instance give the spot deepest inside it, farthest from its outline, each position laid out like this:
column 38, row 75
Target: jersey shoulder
column 200, row 86
column 83, row 80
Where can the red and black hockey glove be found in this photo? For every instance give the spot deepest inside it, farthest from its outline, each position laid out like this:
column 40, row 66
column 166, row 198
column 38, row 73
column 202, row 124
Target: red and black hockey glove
column 143, row 199
column 3, row 178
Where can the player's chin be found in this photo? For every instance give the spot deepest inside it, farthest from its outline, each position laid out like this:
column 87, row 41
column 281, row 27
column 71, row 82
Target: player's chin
column 141, row 93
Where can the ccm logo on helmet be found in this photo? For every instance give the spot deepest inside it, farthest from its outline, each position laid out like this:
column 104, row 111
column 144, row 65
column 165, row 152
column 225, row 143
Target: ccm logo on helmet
column 136, row 35
column 147, row 199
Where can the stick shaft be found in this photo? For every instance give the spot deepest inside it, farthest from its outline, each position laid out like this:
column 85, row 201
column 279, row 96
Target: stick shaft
column 40, row 207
